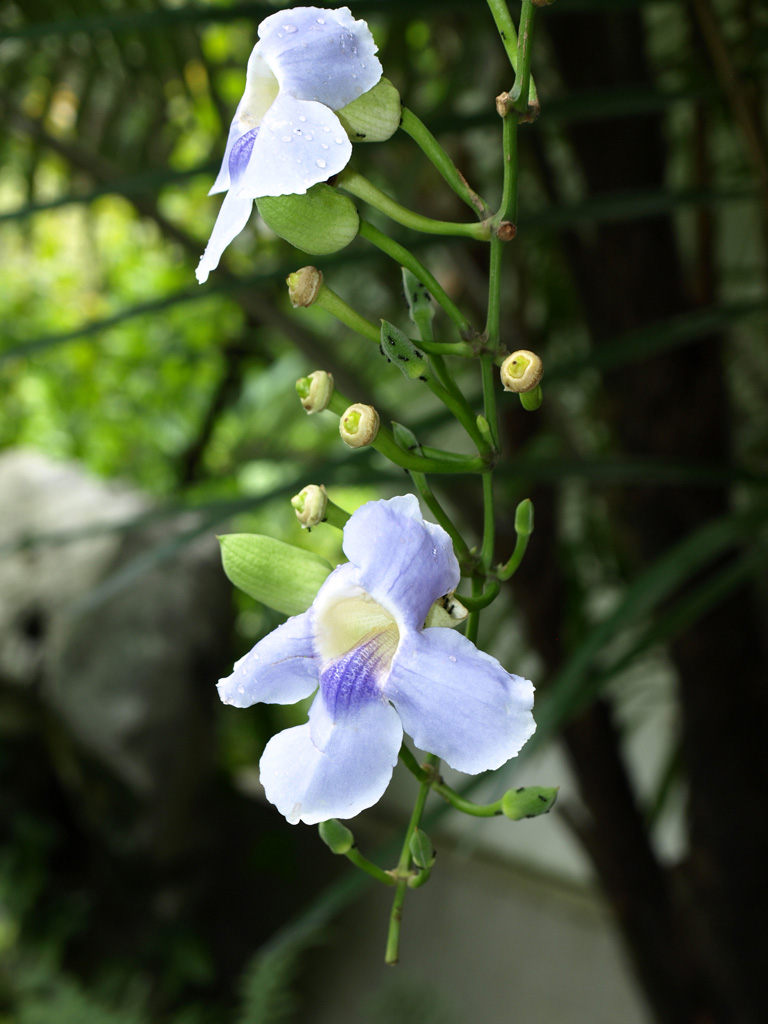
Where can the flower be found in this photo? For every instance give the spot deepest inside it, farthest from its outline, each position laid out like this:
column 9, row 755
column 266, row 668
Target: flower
column 285, row 136
column 380, row 672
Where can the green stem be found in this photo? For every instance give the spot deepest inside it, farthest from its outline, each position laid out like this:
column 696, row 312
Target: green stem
column 403, row 869
column 473, row 619
column 336, row 516
column 359, row 186
column 436, row 461
column 467, row 806
column 332, row 303
column 434, row 506
column 462, row 410
column 507, row 571
column 406, row 259
column 369, row 867
column 508, row 33
column 409, row 760
column 520, row 92
column 489, row 595
column 429, row 145
column 506, row 29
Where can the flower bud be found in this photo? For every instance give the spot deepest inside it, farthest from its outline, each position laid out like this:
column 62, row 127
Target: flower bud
column 528, row 802
column 315, row 391
column 304, row 285
column 320, row 221
column 336, row 836
column 398, row 348
column 421, row 848
column 374, row 116
column 521, row 371
column 359, row 425
column 524, row 518
column 446, row 611
column 310, row 505
column 531, row 400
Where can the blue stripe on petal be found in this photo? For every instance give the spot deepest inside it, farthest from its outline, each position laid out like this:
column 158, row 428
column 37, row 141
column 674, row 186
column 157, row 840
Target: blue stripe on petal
column 353, row 680
column 240, row 155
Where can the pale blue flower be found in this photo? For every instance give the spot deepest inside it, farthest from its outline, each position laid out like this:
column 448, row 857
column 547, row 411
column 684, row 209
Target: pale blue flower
column 379, row 672
column 285, row 136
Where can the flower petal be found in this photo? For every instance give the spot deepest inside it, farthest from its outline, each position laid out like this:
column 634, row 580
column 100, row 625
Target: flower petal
column 261, row 89
column 233, row 216
column 319, row 54
column 349, row 774
column 404, row 563
column 458, row 702
column 299, row 144
column 280, row 669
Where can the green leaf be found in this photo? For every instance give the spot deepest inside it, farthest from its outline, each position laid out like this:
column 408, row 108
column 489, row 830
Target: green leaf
column 279, row 575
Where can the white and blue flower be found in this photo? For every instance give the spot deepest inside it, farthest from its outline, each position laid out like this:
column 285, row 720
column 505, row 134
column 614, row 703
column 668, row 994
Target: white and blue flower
column 378, row 672
column 285, row 136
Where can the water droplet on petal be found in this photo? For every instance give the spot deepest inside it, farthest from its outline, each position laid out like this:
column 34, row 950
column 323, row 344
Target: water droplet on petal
column 241, row 689
column 320, row 163
column 452, row 657
column 286, row 138
column 297, row 131
column 302, row 118
column 338, row 141
column 308, row 138
column 290, row 28
column 321, row 21
column 324, row 145
column 326, row 128
column 279, row 35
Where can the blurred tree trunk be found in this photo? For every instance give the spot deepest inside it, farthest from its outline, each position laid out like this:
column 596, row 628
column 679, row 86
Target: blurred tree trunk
column 697, row 937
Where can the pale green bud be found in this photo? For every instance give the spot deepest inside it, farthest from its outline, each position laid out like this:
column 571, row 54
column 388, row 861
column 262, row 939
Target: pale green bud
column 310, row 505
column 315, row 391
column 521, row 371
column 531, row 400
column 304, row 286
column 446, row 611
column 528, row 801
column 405, row 438
column 398, row 348
column 524, row 518
column 336, row 836
column 359, row 425
column 321, row 221
column 374, row 116
column 277, row 574
column 422, row 850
